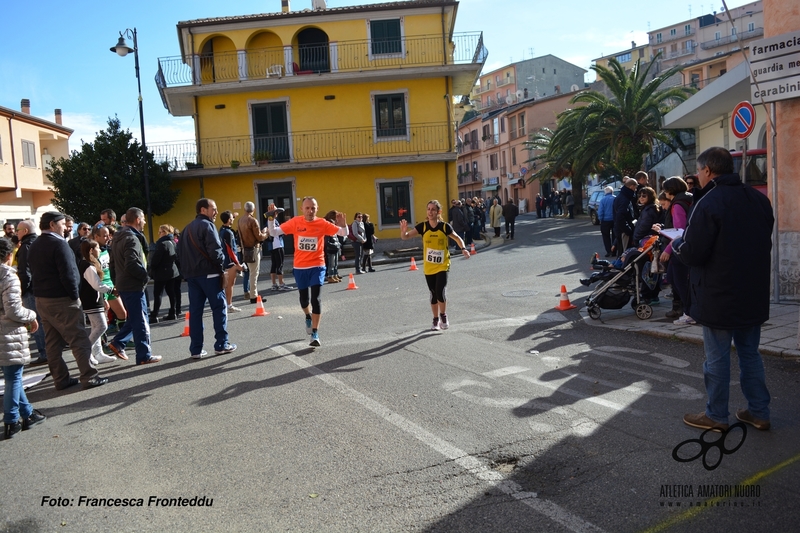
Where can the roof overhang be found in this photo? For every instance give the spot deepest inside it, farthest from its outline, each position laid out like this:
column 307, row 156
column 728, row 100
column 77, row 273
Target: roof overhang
column 715, row 100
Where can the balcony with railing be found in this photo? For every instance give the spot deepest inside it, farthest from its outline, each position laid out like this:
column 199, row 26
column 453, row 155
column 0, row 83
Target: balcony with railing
column 679, row 34
column 334, row 57
column 722, row 41
column 305, row 147
column 505, row 81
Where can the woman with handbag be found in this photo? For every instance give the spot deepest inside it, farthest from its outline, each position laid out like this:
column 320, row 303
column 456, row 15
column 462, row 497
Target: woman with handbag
column 369, row 244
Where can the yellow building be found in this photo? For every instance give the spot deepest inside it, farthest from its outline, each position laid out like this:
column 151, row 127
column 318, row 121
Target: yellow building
column 351, row 105
column 27, row 145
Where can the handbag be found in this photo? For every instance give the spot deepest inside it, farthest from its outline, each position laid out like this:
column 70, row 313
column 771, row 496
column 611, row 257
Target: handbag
column 249, row 255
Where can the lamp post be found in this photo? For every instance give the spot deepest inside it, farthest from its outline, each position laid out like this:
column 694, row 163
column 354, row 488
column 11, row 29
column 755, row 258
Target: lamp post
column 122, row 49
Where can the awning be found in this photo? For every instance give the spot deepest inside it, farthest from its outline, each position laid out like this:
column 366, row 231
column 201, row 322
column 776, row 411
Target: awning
column 493, row 188
column 513, row 182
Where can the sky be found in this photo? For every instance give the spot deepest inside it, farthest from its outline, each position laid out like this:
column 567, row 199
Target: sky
column 56, row 53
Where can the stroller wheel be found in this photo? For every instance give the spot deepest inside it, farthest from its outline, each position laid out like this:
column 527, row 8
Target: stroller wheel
column 594, row 312
column 644, row 311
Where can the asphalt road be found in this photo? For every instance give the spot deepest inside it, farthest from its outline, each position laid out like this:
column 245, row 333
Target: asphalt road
column 518, row 418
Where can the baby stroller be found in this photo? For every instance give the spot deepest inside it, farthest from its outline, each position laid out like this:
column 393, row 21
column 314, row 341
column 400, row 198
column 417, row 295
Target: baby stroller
column 624, row 280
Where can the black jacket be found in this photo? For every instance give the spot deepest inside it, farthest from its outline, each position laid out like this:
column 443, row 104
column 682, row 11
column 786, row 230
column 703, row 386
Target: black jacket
column 648, row 216
column 623, row 212
column 727, row 245
column 127, row 265
column 23, row 264
column 163, row 261
column 53, row 268
column 458, row 220
column 200, row 250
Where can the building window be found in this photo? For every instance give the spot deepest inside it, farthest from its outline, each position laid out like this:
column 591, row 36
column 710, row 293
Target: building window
column 390, row 115
column 554, row 71
column 717, row 35
column 624, row 58
column 513, row 156
column 687, row 30
column 486, row 132
column 503, row 125
column 521, row 131
column 733, row 30
column 672, row 32
column 641, row 52
column 658, row 37
column 474, row 140
column 543, row 72
column 512, row 127
column 395, row 199
column 493, row 162
column 751, row 26
column 28, row 154
column 386, row 36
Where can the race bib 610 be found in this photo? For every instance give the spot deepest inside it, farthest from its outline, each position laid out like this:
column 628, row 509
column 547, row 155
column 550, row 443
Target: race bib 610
column 434, row 256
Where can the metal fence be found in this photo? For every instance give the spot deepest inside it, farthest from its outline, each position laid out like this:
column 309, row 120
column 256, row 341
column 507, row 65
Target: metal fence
column 304, row 146
column 341, row 56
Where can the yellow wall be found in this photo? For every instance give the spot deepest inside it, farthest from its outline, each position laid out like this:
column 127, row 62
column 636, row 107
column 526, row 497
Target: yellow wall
column 344, row 189
column 309, row 111
column 339, row 31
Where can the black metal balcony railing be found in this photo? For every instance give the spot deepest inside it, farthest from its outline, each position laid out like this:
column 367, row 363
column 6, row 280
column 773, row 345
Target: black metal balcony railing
column 745, row 35
column 304, row 146
column 342, row 56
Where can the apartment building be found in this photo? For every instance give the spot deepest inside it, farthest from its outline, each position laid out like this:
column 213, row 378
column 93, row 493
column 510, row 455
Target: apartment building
column 27, row 146
column 532, row 78
column 493, row 159
column 351, row 105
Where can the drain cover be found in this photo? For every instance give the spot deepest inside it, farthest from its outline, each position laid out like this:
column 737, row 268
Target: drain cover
column 520, row 294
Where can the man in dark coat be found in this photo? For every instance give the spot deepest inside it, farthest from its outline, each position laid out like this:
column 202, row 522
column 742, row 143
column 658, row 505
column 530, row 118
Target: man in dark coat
column 458, row 220
column 727, row 245
column 56, row 283
column 26, row 231
column 510, row 212
column 623, row 216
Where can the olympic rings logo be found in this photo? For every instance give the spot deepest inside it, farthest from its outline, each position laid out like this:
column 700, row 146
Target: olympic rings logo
column 706, row 446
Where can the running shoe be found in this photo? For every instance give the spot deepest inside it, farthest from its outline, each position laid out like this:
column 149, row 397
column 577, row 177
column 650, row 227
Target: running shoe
column 228, row 348
column 435, row 326
column 443, row 323
column 309, row 328
column 315, row 340
column 200, row 355
column 275, row 287
column 285, row 288
column 685, row 320
column 233, row 309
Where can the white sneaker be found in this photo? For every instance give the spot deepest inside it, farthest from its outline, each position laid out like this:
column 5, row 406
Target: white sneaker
column 93, row 361
column 103, row 358
column 200, row 355
column 685, row 320
column 443, row 322
column 233, row 309
column 436, row 326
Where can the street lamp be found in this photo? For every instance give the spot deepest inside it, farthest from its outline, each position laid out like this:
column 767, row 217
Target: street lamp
column 122, row 49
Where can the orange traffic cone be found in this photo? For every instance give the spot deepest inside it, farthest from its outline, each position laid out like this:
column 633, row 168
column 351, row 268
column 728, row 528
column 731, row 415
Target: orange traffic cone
column 563, row 304
column 352, row 285
column 186, row 326
column 413, row 264
column 260, row 307
column 472, row 249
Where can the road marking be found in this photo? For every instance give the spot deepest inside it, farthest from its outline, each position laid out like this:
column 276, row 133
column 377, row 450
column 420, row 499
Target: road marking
column 471, row 464
column 507, row 371
column 555, row 386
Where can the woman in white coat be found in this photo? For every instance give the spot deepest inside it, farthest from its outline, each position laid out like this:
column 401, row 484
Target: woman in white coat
column 495, row 216
column 15, row 323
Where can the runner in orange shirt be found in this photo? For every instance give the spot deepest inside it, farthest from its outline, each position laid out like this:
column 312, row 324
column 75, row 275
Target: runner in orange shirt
column 309, row 257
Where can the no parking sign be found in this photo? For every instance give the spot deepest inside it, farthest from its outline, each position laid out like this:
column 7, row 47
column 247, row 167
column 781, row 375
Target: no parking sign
column 743, row 120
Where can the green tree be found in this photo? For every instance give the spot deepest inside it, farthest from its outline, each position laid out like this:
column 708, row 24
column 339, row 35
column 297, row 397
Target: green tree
column 605, row 135
column 108, row 174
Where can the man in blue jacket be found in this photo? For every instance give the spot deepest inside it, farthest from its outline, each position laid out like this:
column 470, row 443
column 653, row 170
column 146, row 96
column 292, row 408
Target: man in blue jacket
column 605, row 212
column 202, row 266
column 623, row 216
column 727, row 245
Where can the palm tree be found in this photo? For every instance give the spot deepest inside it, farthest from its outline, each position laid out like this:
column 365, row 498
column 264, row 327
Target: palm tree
column 605, row 133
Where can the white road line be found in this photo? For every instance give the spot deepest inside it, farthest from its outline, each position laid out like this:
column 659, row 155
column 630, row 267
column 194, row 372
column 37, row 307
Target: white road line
column 471, row 464
column 507, row 371
column 557, row 386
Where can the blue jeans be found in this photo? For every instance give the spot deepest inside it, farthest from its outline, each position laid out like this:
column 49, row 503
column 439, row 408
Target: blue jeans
column 136, row 326
column 245, row 280
column 717, row 371
column 15, row 403
column 29, row 301
column 200, row 290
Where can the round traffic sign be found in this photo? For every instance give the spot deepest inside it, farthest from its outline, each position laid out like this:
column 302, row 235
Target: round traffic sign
column 743, row 120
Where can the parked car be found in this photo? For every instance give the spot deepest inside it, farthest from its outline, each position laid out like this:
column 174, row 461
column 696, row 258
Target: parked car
column 594, row 202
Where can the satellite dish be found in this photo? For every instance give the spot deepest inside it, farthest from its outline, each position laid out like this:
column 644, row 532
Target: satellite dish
column 520, row 94
column 509, row 100
column 574, row 87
